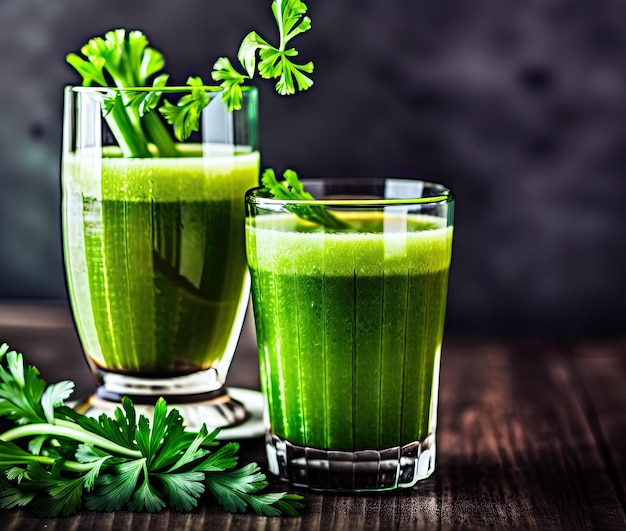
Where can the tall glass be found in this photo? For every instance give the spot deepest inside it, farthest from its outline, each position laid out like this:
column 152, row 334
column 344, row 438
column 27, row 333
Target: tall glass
column 155, row 251
column 349, row 326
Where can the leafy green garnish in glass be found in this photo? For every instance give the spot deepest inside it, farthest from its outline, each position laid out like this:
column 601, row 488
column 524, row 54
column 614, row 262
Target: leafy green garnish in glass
column 123, row 60
column 292, row 189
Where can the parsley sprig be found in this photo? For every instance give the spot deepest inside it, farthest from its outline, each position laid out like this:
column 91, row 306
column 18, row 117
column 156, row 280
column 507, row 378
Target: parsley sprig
column 123, row 59
column 292, row 189
column 72, row 461
column 274, row 62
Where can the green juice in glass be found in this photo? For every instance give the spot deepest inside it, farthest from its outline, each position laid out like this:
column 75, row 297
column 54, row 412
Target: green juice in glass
column 155, row 257
column 349, row 327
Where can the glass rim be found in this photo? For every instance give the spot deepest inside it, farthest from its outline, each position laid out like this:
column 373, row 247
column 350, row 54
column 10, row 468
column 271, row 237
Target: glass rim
column 260, row 195
column 173, row 89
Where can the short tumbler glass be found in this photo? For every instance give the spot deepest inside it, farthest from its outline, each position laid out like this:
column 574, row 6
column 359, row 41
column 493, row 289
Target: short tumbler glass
column 349, row 326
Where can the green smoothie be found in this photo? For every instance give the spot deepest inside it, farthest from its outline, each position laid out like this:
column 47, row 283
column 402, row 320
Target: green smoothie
column 349, row 327
column 155, row 257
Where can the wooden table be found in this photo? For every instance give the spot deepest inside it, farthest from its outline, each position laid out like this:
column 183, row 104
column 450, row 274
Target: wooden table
column 532, row 434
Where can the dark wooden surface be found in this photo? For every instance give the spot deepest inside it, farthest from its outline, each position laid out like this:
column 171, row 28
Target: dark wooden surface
column 532, row 435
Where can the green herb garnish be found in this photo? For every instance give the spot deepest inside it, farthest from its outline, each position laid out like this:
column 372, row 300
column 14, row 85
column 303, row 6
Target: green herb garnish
column 292, row 189
column 73, row 461
column 274, row 63
column 124, row 59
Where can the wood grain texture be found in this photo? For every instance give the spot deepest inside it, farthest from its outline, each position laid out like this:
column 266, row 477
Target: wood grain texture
column 531, row 436
column 516, row 449
column 601, row 369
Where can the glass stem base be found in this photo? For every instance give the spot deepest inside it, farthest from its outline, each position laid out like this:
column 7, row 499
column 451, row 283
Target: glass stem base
column 363, row 470
column 195, row 387
column 199, row 397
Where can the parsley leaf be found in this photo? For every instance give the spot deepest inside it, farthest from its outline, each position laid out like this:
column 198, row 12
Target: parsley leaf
column 231, row 80
column 113, row 463
column 291, row 189
column 185, row 116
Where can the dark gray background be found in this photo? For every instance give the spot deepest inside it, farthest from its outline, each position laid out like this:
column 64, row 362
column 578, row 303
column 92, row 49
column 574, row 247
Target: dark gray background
column 520, row 106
